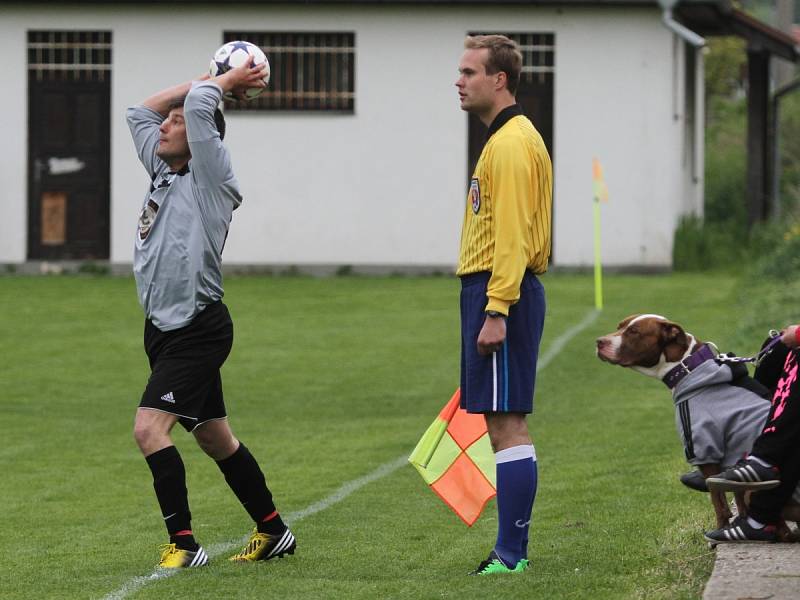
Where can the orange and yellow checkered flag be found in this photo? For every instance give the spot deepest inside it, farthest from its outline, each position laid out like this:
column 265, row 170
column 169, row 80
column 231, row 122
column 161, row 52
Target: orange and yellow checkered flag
column 456, row 460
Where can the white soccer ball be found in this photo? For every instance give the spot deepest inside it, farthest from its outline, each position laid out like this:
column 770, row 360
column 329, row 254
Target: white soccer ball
column 235, row 54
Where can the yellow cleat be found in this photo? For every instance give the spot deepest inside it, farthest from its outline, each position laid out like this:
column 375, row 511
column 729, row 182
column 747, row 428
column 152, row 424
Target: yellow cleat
column 263, row 546
column 173, row 557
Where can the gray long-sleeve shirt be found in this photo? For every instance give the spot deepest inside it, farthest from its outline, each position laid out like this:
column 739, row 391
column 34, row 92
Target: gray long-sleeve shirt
column 185, row 216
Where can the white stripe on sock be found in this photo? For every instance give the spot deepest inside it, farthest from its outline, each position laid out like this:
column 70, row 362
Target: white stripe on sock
column 515, row 453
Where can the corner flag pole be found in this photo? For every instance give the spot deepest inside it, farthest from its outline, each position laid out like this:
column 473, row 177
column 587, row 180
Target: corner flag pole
column 598, row 268
column 600, row 193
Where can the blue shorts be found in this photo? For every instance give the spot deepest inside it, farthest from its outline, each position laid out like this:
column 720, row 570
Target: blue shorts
column 503, row 381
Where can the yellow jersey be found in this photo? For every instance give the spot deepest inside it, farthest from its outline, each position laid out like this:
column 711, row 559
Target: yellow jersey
column 508, row 217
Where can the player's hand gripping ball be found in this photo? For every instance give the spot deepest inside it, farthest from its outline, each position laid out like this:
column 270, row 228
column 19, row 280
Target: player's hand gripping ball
column 235, row 54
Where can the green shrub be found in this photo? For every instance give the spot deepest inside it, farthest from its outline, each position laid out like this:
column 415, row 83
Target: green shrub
column 775, row 253
column 700, row 246
column 789, row 151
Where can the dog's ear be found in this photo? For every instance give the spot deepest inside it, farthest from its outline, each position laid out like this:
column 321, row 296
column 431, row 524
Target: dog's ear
column 673, row 340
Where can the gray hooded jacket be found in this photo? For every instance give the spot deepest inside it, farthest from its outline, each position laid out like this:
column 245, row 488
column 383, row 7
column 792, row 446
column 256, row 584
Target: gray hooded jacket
column 717, row 421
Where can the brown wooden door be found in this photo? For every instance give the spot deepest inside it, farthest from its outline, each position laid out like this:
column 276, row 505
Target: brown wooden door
column 68, row 167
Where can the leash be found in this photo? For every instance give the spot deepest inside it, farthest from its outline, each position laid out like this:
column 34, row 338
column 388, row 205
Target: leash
column 709, row 351
column 757, row 357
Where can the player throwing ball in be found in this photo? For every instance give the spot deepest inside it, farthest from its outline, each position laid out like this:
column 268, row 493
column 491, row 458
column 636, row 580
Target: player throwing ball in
column 188, row 331
column 505, row 243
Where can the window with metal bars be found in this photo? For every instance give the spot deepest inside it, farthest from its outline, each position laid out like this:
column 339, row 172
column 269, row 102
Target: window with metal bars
column 69, row 55
column 310, row 71
column 538, row 51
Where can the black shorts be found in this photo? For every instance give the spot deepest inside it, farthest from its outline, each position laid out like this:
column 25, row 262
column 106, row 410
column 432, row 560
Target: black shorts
column 185, row 380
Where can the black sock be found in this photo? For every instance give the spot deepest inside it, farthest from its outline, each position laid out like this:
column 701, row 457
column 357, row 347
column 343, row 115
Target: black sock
column 184, row 540
column 169, row 482
column 271, row 524
column 247, row 481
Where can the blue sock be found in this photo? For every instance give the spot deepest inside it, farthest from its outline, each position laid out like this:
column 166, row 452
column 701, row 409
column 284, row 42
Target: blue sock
column 516, row 490
column 524, row 548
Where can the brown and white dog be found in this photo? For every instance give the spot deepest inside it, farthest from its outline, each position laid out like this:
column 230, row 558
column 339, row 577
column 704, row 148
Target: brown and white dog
column 655, row 346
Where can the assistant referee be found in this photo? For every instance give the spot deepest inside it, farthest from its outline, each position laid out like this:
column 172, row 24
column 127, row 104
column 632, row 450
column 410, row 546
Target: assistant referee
column 505, row 244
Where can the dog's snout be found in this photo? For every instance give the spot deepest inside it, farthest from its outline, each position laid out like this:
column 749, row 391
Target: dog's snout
column 606, row 348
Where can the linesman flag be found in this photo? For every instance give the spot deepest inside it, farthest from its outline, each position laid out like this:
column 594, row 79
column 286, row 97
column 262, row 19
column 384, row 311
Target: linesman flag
column 456, row 460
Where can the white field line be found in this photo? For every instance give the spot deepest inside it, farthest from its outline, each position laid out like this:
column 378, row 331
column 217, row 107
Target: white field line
column 345, row 490
column 562, row 340
column 216, row 549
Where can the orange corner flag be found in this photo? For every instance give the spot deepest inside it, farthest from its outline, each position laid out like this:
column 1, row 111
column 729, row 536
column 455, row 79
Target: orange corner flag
column 598, row 182
column 455, row 459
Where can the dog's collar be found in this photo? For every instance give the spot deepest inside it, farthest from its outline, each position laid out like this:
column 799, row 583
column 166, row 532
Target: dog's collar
column 676, row 374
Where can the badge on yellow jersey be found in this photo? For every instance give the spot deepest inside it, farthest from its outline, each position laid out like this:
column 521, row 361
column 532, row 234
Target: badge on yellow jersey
column 475, row 195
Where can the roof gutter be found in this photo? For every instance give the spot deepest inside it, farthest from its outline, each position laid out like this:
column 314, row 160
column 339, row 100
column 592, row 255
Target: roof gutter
column 681, row 31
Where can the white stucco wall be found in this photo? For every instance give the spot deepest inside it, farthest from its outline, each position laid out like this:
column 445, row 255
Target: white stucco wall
column 14, row 150
column 386, row 185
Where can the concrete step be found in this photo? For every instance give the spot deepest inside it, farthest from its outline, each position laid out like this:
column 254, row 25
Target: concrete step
column 755, row 572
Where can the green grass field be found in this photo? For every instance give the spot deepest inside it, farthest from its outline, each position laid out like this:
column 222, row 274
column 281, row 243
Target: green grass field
column 328, row 380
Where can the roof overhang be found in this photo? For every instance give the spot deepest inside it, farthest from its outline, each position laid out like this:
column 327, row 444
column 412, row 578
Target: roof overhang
column 721, row 18
column 705, row 17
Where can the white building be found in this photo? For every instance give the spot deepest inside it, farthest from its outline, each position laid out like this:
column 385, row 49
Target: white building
column 374, row 175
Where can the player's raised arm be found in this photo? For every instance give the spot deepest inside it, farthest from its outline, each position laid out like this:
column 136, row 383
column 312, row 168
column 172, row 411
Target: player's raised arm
column 161, row 102
column 144, row 121
column 205, row 130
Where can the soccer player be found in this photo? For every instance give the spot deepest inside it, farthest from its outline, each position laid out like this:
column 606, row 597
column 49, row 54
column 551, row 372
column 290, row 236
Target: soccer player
column 188, row 331
column 505, row 243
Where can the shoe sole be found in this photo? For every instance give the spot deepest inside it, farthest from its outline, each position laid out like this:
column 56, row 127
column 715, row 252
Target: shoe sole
column 726, row 485
column 714, row 542
column 200, row 566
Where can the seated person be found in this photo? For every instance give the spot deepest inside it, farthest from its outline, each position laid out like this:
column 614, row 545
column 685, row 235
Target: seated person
column 772, row 469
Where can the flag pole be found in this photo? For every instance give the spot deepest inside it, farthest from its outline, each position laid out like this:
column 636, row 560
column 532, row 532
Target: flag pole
column 598, row 267
column 600, row 193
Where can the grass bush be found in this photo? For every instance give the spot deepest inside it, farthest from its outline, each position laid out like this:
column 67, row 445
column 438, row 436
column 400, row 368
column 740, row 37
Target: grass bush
column 700, row 246
column 722, row 238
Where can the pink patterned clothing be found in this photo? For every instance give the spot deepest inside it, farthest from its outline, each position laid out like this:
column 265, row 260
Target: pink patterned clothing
column 783, row 424
column 779, row 442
